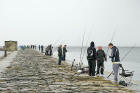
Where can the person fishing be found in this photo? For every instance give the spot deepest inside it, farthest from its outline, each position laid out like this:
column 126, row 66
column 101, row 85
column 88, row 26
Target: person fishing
column 47, row 51
column 59, row 54
column 50, row 50
column 34, row 47
column 115, row 58
column 101, row 57
column 39, row 47
column 64, row 52
column 42, row 48
column 91, row 57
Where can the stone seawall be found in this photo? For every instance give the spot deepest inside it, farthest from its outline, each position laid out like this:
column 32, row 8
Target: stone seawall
column 32, row 72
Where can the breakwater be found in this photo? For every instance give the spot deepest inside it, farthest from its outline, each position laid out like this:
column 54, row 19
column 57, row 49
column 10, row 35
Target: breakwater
column 32, row 72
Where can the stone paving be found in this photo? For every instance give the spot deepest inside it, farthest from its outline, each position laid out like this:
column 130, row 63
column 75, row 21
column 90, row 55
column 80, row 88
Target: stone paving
column 32, row 72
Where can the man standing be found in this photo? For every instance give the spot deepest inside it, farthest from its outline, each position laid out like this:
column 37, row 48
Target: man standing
column 50, row 50
column 91, row 57
column 116, row 60
column 101, row 57
column 59, row 54
column 39, row 47
column 42, row 48
column 64, row 52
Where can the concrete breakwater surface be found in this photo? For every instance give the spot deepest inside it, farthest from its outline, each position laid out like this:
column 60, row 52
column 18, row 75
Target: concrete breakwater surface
column 32, row 72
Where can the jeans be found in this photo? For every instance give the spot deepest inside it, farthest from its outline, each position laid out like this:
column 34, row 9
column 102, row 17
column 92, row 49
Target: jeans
column 116, row 71
column 64, row 57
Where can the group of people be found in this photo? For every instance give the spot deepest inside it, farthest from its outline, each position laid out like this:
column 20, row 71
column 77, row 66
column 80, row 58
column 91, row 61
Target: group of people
column 99, row 56
column 41, row 48
column 62, row 53
column 48, row 50
column 94, row 57
column 33, row 46
column 23, row 47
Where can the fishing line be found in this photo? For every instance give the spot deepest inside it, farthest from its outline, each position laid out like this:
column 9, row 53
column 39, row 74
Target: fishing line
column 113, row 35
column 83, row 38
column 86, row 44
column 123, row 58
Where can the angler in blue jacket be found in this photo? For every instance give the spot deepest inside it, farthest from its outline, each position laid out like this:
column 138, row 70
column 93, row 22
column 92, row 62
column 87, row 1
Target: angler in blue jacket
column 115, row 57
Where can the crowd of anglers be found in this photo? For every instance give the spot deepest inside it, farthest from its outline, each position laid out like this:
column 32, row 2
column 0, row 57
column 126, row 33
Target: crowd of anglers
column 99, row 57
column 96, row 58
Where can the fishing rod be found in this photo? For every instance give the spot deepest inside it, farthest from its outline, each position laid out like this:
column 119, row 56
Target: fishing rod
column 129, row 51
column 113, row 35
column 85, row 48
column 55, row 43
column 83, row 38
column 72, row 64
column 108, row 47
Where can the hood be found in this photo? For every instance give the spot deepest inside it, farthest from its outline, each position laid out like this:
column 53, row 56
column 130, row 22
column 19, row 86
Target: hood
column 92, row 44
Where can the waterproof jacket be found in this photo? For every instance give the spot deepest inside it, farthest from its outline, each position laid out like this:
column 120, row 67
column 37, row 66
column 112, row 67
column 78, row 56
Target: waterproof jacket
column 64, row 50
column 115, row 55
column 101, row 56
column 91, row 50
column 59, row 52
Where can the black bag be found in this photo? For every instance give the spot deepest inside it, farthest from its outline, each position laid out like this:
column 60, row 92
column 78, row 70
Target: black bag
column 123, row 83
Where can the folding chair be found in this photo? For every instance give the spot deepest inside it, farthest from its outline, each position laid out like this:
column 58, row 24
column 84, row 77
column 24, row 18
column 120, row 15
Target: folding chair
column 126, row 77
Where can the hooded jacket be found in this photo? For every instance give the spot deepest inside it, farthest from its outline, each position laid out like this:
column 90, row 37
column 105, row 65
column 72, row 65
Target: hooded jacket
column 91, row 52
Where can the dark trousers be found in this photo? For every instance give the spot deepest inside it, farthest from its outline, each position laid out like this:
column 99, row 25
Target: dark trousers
column 50, row 53
column 92, row 67
column 59, row 60
column 64, row 57
column 41, row 50
column 100, row 67
column 46, row 53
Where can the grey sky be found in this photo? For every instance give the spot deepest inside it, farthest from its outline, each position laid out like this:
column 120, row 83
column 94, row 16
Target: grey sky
column 46, row 21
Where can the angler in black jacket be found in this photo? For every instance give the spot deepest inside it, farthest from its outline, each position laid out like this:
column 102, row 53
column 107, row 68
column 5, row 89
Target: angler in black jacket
column 101, row 57
column 59, row 54
column 64, row 52
column 91, row 57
